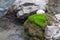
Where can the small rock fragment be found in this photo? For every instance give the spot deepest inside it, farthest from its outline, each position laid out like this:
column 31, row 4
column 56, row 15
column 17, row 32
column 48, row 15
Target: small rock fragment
column 57, row 16
column 40, row 11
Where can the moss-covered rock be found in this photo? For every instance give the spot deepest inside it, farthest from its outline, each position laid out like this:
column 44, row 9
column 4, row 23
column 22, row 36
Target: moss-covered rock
column 38, row 19
column 34, row 27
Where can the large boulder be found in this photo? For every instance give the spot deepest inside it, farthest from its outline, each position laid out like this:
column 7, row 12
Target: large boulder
column 25, row 8
column 34, row 27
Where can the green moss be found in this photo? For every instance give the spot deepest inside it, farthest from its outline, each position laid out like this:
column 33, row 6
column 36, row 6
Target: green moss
column 35, row 25
column 38, row 19
column 32, row 31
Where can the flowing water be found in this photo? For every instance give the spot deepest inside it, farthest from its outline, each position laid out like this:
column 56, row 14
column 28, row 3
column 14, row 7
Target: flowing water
column 4, row 5
column 11, row 29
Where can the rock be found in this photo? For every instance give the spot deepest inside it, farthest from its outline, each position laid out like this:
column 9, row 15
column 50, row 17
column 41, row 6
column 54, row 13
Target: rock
column 27, row 11
column 54, row 6
column 40, row 11
column 57, row 16
column 25, row 8
column 52, row 32
column 34, row 27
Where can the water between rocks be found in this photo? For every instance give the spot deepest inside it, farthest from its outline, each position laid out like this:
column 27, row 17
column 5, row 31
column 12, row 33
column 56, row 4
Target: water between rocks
column 11, row 29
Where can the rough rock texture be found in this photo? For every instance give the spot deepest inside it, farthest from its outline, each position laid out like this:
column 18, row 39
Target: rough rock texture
column 57, row 16
column 24, row 8
column 54, row 6
column 34, row 27
column 52, row 32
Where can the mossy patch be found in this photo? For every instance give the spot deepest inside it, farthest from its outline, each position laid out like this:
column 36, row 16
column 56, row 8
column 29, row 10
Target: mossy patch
column 38, row 19
column 32, row 31
column 34, row 27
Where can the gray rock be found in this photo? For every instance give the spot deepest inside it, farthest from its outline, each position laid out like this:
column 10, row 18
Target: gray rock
column 27, row 10
column 52, row 32
column 54, row 6
column 28, row 7
column 57, row 16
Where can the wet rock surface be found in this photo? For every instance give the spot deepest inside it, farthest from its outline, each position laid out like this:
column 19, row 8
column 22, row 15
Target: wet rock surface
column 25, row 8
column 54, row 6
column 11, row 29
column 52, row 32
